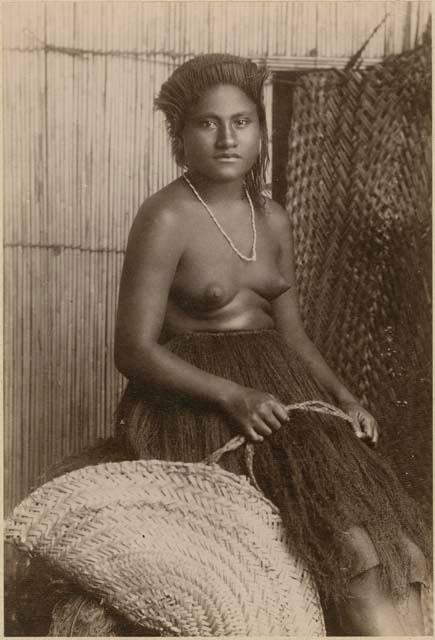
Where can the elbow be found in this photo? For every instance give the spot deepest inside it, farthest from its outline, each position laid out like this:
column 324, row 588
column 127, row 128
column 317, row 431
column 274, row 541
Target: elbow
column 122, row 362
column 132, row 360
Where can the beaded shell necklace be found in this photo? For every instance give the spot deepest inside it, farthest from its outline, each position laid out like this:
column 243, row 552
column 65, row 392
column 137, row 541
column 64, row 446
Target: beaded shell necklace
column 242, row 256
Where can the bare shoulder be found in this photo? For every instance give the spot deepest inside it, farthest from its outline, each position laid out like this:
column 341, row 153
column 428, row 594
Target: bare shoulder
column 161, row 215
column 164, row 208
column 277, row 217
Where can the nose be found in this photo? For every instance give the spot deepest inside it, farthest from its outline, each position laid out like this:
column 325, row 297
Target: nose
column 226, row 137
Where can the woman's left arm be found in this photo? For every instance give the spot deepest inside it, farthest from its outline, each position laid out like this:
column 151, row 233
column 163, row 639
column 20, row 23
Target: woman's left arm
column 289, row 324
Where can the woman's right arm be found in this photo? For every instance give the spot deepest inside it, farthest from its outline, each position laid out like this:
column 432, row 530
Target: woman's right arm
column 155, row 246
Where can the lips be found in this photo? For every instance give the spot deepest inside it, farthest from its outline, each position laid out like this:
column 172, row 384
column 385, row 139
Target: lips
column 228, row 156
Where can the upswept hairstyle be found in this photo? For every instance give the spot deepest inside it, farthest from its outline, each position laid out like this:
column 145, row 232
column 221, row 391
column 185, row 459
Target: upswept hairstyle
column 189, row 81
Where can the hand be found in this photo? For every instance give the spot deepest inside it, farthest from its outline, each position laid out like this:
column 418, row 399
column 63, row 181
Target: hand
column 363, row 423
column 256, row 414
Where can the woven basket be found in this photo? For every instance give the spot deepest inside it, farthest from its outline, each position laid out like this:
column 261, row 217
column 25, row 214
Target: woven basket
column 186, row 549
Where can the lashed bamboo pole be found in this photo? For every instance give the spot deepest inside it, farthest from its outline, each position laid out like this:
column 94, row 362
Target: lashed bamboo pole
column 90, row 345
column 284, row 23
column 23, row 288
column 330, row 31
column 140, row 149
column 366, row 22
column 156, row 135
column 63, row 347
column 34, row 363
column 95, row 345
column 13, row 371
column 8, row 222
column 76, row 304
column 87, row 113
column 22, row 158
column 72, row 327
column 105, row 427
column 25, row 379
column 70, row 330
column 237, row 22
column 16, row 373
column 131, row 147
column 33, row 375
column 10, row 371
column 102, row 358
column 157, row 150
column 112, row 374
column 54, row 396
column 276, row 29
column 7, row 396
column 135, row 123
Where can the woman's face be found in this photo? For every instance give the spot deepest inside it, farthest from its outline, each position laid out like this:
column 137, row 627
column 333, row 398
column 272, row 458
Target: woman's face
column 221, row 137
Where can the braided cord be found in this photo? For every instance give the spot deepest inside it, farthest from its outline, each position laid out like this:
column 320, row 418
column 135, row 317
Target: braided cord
column 317, row 406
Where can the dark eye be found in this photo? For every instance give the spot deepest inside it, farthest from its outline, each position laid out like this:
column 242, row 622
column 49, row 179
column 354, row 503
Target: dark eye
column 207, row 124
column 240, row 123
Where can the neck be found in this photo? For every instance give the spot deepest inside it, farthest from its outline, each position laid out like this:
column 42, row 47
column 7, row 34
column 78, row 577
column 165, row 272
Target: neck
column 217, row 192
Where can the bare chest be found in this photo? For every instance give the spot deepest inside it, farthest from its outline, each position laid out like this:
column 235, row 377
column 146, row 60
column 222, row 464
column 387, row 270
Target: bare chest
column 211, row 274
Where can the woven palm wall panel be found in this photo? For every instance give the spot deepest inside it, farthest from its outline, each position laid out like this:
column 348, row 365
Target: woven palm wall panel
column 359, row 196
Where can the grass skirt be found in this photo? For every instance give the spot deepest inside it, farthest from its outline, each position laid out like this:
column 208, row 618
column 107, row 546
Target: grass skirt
column 324, row 480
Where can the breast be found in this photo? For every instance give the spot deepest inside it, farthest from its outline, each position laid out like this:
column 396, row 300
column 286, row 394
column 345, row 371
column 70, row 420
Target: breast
column 204, row 299
column 269, row 285
column 217, row 295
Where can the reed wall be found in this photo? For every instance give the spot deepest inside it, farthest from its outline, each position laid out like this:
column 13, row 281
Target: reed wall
column 83, row 148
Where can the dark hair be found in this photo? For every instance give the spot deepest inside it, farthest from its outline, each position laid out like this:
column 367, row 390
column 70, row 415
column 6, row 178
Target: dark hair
column 185, row 87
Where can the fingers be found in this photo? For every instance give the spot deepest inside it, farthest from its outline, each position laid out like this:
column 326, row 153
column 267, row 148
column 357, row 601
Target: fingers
column 366, row 428
column 270, row 420
column 251, row 435
column 376, row 434
column 372, row 431
column 260, row 426
column 374, row 440
column 356, row 428
column 270, row 417
column 256, row 430
column 276, row 414
column 281, row 413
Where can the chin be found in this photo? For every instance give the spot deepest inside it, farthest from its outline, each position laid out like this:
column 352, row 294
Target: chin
column 226, row 173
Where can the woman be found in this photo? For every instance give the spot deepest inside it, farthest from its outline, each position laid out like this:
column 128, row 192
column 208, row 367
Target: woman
column 211, row 341
column 210, row 338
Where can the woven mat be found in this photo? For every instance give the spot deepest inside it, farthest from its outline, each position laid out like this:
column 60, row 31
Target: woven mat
column 359, row 196
column 187, row 549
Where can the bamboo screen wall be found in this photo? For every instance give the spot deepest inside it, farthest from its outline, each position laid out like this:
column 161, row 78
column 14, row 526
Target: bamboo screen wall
column 82, row 150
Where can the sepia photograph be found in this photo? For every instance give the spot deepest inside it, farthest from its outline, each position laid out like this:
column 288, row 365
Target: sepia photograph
column 217, row 322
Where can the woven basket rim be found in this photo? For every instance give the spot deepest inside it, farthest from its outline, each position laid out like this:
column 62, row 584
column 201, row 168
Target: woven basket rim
column 212, row 470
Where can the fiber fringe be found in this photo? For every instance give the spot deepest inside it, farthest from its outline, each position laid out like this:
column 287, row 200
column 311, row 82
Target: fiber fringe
column 322, row 478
